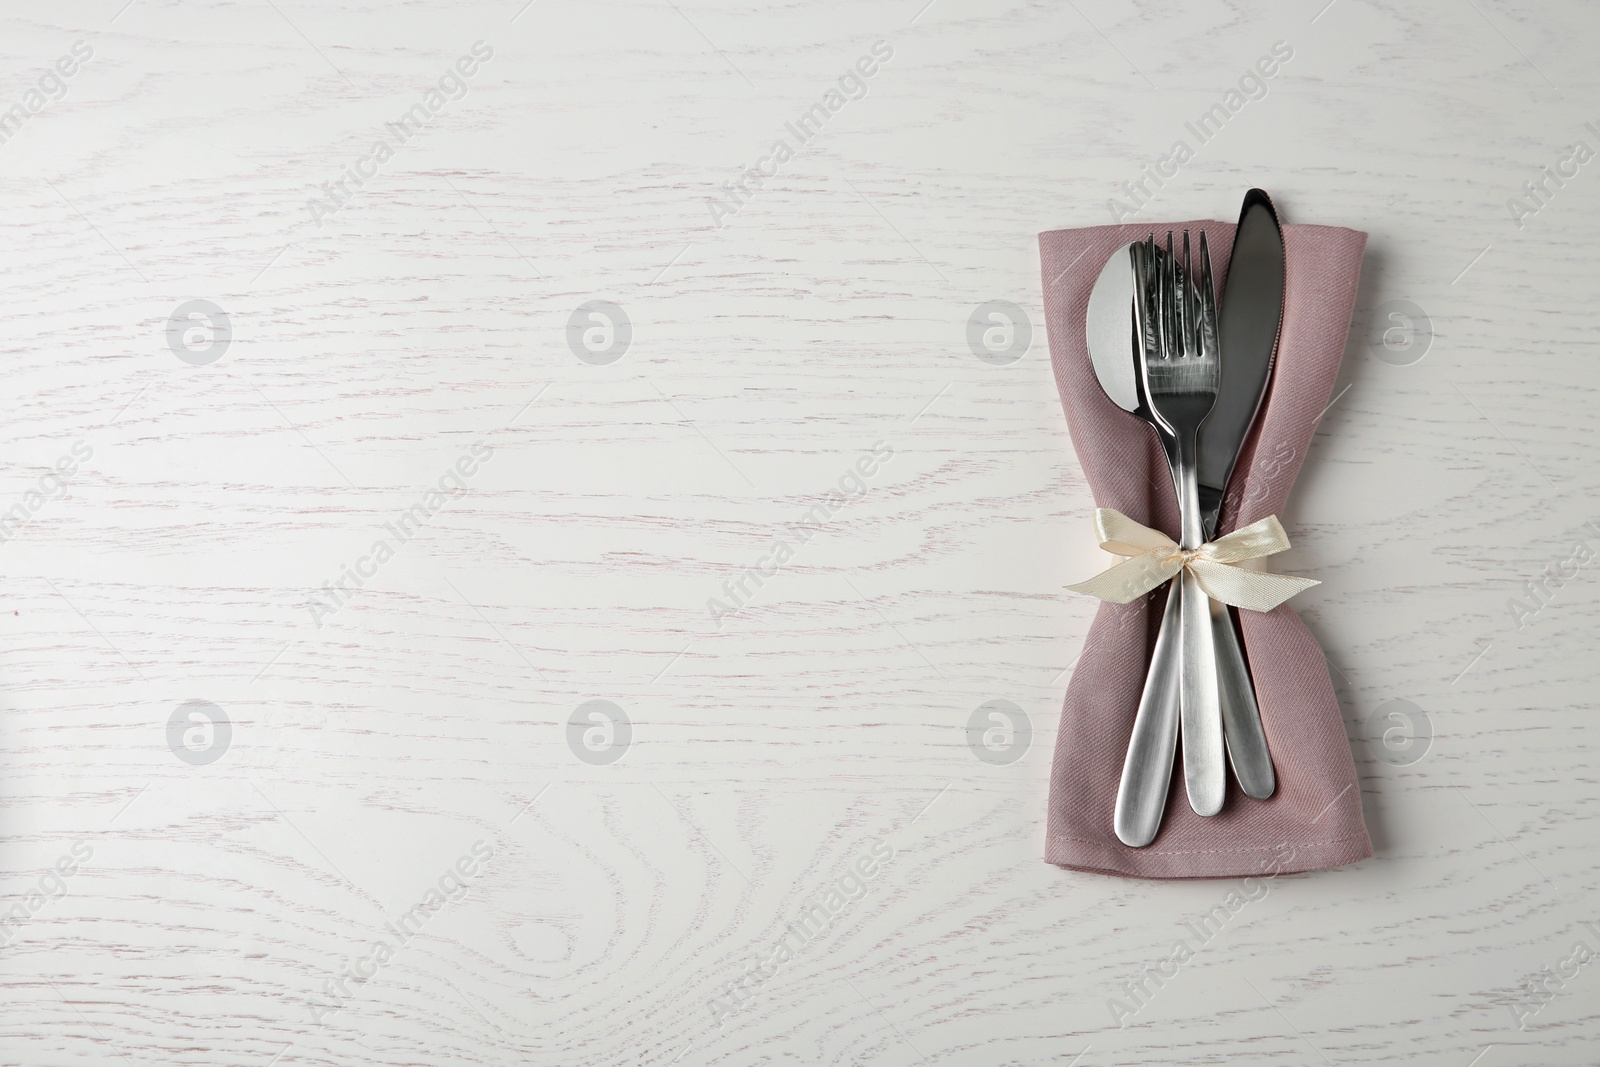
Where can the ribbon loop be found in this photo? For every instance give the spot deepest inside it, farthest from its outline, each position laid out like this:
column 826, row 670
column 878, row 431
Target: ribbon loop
column 1154, row 558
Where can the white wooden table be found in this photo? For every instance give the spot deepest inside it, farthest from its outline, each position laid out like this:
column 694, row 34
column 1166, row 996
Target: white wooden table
column 220, row 798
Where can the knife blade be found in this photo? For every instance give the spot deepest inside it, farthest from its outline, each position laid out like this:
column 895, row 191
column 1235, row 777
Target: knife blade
column 1248, row 327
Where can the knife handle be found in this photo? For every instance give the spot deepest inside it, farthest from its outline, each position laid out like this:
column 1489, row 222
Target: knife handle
column 1147, row 769
column 1241, row 716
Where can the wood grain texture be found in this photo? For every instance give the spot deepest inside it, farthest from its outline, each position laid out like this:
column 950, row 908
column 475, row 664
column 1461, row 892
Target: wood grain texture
column 220, row 903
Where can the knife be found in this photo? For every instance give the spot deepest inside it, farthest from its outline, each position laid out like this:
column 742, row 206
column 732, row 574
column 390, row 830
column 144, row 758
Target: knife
column 1248, row 327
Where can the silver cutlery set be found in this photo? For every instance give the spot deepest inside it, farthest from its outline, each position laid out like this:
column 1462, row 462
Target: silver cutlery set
column 1164, row 352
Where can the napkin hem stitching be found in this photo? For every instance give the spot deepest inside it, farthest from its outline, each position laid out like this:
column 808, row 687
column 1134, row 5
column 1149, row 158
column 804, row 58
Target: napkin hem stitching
column 1209, row 851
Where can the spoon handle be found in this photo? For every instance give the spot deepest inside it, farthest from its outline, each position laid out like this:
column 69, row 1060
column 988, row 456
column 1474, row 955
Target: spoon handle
column 1147, row 769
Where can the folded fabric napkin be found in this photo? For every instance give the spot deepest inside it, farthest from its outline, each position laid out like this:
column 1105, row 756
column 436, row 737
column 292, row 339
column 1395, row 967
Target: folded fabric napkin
column 1314, row 819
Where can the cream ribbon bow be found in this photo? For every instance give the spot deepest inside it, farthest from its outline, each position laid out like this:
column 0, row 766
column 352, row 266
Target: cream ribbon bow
column 1155, row 558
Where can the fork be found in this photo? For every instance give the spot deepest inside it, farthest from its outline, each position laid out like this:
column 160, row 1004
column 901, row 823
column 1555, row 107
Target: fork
column 1176, row 318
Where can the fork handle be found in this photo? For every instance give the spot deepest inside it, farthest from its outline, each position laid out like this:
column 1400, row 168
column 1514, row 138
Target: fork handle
column 1200, row 703
column 1199, row 699
column 1147, row 769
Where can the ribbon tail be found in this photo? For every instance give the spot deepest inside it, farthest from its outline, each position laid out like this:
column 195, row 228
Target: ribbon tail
column 1131, row 579
column 1250, row 590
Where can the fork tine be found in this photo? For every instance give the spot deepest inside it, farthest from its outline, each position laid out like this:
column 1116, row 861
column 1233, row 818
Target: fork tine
column 1186, row 296
column 1169, row 295
column 1207, row 334
column 1152, row 296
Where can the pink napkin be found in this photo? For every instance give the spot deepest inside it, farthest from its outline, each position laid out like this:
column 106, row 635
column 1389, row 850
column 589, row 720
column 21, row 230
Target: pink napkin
column 1314, row 819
